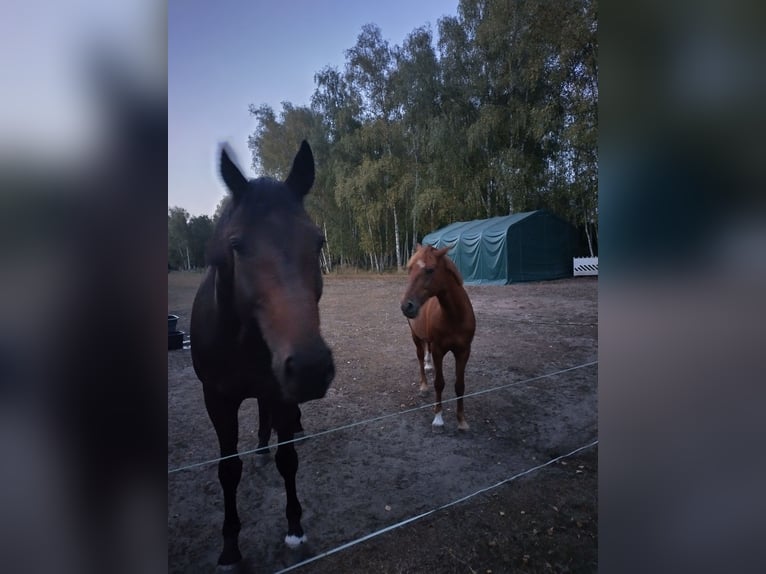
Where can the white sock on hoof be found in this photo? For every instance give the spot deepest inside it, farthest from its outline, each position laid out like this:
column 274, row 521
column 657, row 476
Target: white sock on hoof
column 294, row 541
column 438, row 422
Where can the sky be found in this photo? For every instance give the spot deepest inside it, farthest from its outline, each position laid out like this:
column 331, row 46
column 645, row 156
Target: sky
column 224, row 56
column 51, row 110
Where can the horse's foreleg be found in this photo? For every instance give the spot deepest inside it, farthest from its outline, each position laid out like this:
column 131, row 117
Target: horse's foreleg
column 420, row 349
column 438, row 357
column 287, row 463
column 461, row 359
column 299, row 432
column 223, row 415
column 428, row 363
column 262, row 455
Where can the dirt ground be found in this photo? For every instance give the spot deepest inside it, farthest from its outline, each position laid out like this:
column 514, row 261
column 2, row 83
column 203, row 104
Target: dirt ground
column 357, row 481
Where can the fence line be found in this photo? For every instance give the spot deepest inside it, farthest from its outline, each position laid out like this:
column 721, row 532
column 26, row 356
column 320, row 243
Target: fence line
column 382, row 417
column 524, row 322
column 432, row 511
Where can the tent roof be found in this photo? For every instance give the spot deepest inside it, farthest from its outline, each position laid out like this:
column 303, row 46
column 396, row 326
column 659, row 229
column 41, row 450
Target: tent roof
column 529, row 246
column 492, row 227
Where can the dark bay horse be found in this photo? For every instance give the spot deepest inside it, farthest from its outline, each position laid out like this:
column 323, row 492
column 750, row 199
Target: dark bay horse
column 441, row 319
column 255, row 326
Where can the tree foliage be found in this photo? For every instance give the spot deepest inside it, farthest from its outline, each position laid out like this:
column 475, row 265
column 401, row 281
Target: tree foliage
column 500, row 116
column 187, row 239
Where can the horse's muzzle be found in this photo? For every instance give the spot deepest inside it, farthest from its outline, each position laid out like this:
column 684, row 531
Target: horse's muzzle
column 410, row 309
column 308, row 372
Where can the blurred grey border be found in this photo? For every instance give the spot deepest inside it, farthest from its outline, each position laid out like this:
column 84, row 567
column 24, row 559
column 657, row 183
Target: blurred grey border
column 682, row 271
column 82, row 283
column 83, row 194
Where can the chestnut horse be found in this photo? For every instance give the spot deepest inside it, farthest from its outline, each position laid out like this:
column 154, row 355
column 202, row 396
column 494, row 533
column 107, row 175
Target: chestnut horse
column 255, row 326
column 441, row 319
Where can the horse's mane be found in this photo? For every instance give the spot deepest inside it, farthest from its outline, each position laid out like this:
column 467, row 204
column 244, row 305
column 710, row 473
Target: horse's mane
column 215, row 250
column 452, row 268
column 448, row 264
column 411, row 260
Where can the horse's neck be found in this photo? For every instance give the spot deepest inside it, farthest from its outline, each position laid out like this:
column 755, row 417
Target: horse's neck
column 223, row 299
column 454, row 300
column 229, row 321
column 220, row 289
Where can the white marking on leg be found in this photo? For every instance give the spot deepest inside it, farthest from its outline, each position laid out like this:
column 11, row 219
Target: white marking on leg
column 428, row 364
column 438, row 422
column 294, row 541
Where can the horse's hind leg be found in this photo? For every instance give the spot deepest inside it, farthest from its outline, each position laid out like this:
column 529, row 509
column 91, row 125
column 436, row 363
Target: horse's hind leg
column 287, row 463
column 262, row 455
column 223, row 415
column 461, row 359
column 438, row 422
column 421, row 348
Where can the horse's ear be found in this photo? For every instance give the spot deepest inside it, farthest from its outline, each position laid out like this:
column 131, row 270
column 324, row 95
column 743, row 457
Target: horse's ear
column 301, row 176
column 441, row 252
column 232, row 176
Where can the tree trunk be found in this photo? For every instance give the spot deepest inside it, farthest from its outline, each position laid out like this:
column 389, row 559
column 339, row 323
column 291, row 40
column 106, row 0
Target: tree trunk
column 414, row 210
column 406, row 242
column 414, row 231
column 327, row 247
column 590, row 242
column 595, row 233
column 373, row 258
column 396, row 241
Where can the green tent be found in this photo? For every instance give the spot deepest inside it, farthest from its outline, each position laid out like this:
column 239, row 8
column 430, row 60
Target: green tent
column 531, row 246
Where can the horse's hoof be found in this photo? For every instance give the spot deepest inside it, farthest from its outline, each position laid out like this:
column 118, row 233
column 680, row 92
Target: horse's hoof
column 437, row 428
column 463, row 426
column 262, row 459
column 228, row 568
column 423, row 391
column 293, row 541
column 229, row 561
column 429, row 368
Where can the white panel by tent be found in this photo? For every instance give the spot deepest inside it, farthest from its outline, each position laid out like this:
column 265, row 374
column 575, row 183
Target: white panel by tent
column 585, row 266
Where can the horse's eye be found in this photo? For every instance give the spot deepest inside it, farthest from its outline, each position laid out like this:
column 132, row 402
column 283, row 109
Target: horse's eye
column 429, row 270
